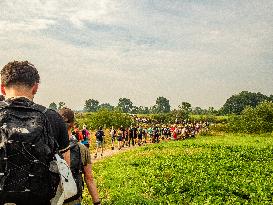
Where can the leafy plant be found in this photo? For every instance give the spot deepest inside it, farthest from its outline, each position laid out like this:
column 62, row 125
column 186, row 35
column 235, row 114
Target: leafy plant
column 232, row 169
column 254, row 120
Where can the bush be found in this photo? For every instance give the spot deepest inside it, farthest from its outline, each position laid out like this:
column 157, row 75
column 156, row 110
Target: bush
column 210, row 118
column 162, row 118
column 104, row 118
column 254, row 120
column 220, row 127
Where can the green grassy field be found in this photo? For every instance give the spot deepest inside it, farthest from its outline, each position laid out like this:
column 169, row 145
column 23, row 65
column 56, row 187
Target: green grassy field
column 227, row 169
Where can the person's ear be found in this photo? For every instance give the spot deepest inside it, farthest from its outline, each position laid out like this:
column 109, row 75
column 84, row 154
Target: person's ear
column 3, row 89
column 35, row 88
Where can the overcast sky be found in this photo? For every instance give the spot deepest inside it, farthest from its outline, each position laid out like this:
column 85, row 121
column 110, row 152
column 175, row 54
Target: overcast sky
column 197, row 51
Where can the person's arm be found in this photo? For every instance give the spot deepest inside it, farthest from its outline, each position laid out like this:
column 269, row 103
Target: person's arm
column 90, row 183
column 66, row 156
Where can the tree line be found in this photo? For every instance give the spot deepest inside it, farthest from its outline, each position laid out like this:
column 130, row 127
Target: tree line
column 233, row 105
column 247, row 112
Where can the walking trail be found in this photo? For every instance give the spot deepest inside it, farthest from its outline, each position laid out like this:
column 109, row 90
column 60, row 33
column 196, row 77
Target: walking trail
column 109, row 153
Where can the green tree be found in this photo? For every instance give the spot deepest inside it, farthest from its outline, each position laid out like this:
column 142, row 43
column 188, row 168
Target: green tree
column 135, row 110
column 183, row 111
column 153, row 109
column 125, row 105
column 254, row 120
column 212, row 111
column 186, row 107
column 236, row 103
column 106, row 106
column 53, row 106
column 198, row 111
column 143, row 110
column 91, row 105
column 61, row 105
column 162, row 105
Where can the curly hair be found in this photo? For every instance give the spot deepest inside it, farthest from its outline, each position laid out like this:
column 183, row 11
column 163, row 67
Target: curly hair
column 19, row 73
column 67, row 115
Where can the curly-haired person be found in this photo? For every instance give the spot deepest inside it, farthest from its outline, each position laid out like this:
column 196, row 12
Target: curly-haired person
column 30, row 135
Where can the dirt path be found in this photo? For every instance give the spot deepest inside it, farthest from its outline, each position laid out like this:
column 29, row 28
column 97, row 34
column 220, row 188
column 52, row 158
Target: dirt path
column 108, row 153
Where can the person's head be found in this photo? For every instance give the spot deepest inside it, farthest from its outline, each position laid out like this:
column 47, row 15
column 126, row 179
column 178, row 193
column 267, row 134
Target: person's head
column 68, row 116
column 19, row 78
column 100, row 128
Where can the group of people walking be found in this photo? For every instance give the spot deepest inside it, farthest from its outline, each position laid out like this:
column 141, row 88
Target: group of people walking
column 138, row 135
column 31, row 135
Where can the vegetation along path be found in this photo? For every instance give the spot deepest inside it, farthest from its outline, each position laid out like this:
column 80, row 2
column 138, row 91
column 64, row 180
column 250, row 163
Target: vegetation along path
column 223, row 169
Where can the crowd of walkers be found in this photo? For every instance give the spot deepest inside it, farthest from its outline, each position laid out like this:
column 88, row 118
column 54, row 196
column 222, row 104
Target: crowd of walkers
column 33, row 138
column 140, row 135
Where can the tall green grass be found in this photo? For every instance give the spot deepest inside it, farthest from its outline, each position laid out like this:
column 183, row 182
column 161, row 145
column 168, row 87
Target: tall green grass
column 227, row 169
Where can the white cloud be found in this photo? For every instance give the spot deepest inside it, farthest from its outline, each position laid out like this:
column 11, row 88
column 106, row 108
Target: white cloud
column 111, row 48
column 30, row 25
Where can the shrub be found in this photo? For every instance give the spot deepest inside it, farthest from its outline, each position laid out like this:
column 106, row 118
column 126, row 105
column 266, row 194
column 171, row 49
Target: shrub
column 254, row 120
column 105, row 118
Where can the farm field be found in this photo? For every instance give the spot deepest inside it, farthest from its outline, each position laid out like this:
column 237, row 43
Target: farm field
column 224, row 169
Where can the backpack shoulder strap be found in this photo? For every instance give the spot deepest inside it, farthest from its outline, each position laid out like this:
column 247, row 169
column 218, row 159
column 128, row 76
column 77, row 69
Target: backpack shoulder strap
column 73, row 143
column 43, row 110
column 39, row 108
column 4, row 104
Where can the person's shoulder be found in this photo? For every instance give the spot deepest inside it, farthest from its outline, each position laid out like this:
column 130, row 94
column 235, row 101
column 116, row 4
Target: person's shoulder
column 46, row 110
column 85, row 154
column 51, row 112
column 53, row 115
column 83, row 148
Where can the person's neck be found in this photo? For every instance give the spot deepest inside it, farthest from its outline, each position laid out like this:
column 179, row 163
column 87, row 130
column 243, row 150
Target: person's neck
column 12, row 93
column 19, row 96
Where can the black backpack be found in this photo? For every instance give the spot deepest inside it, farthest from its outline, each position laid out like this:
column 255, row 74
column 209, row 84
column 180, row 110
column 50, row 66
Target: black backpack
column 165, row 131
column 27, row 147
column 76, row 167
column 99, row 135
column 155, row 132
column 84, row 135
